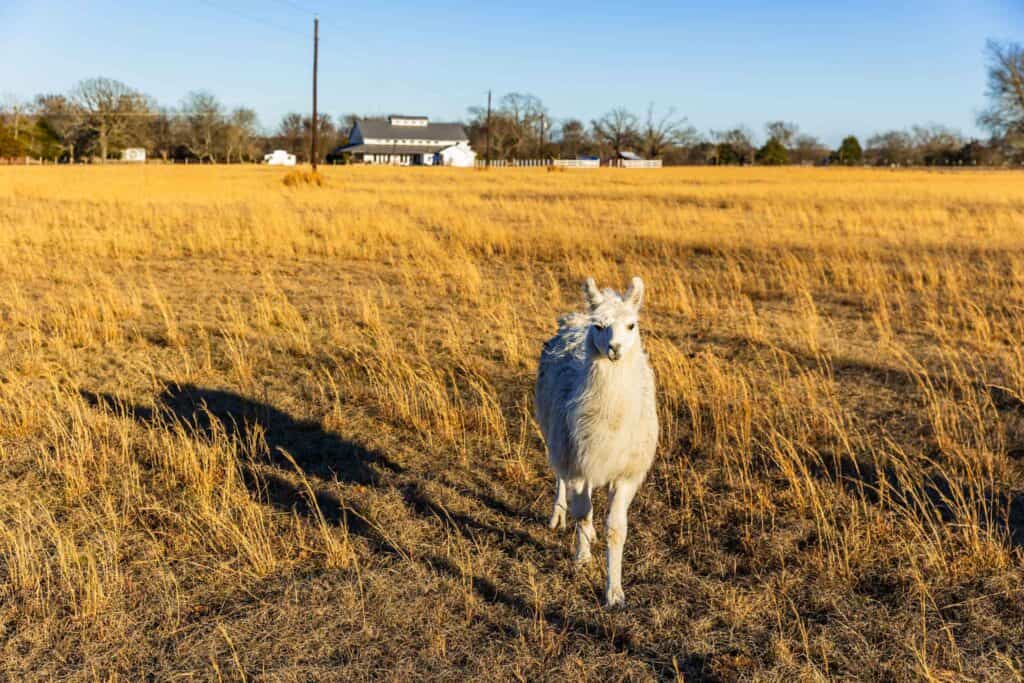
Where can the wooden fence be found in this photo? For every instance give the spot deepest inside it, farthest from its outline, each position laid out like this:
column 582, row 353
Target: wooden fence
column 569, row 163
column 537, row 163
column 639, row 163
column 578, row 163
column 514, row 163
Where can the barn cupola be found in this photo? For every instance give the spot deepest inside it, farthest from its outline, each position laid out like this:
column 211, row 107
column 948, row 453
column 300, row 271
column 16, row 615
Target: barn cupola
column 396, row 120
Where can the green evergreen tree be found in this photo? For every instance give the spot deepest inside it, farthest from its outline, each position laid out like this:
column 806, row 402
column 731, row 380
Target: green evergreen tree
column 849, row 152
column 45, row 141
column 10, row 146
column 726, row 154
column 773, row 153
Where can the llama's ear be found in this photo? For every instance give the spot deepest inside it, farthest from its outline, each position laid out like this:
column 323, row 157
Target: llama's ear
column 635, row 293
column 592, row 294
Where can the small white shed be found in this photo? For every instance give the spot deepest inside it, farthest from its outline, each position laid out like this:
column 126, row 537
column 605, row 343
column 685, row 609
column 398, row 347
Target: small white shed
column 135, row 155
column 279, row 157
column 459, row 155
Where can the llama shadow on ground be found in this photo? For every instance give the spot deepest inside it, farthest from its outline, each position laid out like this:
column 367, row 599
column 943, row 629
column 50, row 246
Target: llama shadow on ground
column 322, row 456
column 318, row 452
column 325, row 457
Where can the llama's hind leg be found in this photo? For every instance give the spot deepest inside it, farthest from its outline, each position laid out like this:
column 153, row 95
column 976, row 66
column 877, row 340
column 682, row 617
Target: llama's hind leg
column 582, row 510
column 622, row 493
column 558, row 514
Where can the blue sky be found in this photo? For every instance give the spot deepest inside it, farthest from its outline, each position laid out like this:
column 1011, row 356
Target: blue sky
column 856, row 68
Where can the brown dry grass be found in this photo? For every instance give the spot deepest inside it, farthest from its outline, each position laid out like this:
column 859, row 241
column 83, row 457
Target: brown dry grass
column 300, row 177
column 252, row 432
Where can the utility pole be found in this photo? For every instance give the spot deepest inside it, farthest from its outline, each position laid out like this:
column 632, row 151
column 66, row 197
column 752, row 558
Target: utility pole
column 541, row 155
column 316, row 55
column 487, row 154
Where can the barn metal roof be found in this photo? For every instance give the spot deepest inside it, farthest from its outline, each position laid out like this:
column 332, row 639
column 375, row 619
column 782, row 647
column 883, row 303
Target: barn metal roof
column 382, row 129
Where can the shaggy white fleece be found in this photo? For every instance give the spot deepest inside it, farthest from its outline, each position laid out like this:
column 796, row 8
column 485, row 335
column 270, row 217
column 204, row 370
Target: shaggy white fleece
column 595, row 403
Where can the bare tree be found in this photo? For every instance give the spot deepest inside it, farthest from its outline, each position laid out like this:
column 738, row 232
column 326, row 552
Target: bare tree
column 517, row 124
column 325, row 134
column 937, row 145
column 659, row 134
column 890, row 147
column 572, row 137
column 346, row 122
column 164, row 132
column 204, row 124
column 506, row 136
column 239, row 132
column 139, row 129
column 783, row 131
column 291, row 132
column 616, row 129
column 808, row 149
column 13, row 112
column 512, row 130
column 735, row 145
column 1005, row 114
column 63, row 119
column 110, row 109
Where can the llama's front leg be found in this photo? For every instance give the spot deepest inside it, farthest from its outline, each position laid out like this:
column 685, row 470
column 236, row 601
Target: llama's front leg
column 558, row 514
column 583, row 511
column 622, row 493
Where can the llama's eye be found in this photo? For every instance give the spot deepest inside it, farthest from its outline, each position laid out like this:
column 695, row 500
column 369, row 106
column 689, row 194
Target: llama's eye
column 632, row 326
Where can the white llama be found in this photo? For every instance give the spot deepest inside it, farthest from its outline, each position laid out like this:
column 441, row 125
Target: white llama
column 595, row 405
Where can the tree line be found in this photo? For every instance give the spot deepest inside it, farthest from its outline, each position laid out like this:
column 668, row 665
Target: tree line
column 521, row 127
column 100, row 117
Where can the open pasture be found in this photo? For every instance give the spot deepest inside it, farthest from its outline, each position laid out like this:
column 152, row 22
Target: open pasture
column 257, row 432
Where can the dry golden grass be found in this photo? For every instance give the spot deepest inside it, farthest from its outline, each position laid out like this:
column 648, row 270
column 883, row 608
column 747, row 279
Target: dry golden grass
column 259, row 432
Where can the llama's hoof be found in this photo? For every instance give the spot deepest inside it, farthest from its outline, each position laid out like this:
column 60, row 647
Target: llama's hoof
column 615, row 597
column 557, row 520
column 582, row 559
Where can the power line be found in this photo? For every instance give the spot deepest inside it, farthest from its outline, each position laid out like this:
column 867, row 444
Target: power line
column 297, row 6
column 169, row 113
column 254, row 19
column 351, row 51
column 308, row 11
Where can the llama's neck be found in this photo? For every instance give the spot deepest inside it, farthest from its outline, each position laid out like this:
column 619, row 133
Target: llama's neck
column 604, row 375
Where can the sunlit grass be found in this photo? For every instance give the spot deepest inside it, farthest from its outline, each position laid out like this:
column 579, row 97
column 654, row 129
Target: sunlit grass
column 229, row 404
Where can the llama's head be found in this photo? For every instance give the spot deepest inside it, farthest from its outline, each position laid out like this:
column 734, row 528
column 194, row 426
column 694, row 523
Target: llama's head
column 614, row 330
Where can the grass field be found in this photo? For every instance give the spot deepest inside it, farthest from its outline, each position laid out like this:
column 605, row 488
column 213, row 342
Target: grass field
column 258, row 432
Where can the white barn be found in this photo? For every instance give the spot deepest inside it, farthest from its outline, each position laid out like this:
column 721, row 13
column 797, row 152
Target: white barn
column 407, row 141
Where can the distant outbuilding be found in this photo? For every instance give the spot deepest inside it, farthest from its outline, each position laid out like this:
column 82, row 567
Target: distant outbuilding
column 135, row 155
column 626, row 159
column 279, row 157
column 459, row 155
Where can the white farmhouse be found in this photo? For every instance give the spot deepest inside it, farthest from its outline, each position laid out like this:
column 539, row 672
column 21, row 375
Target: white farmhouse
column 407, row 141
column 279, row 157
